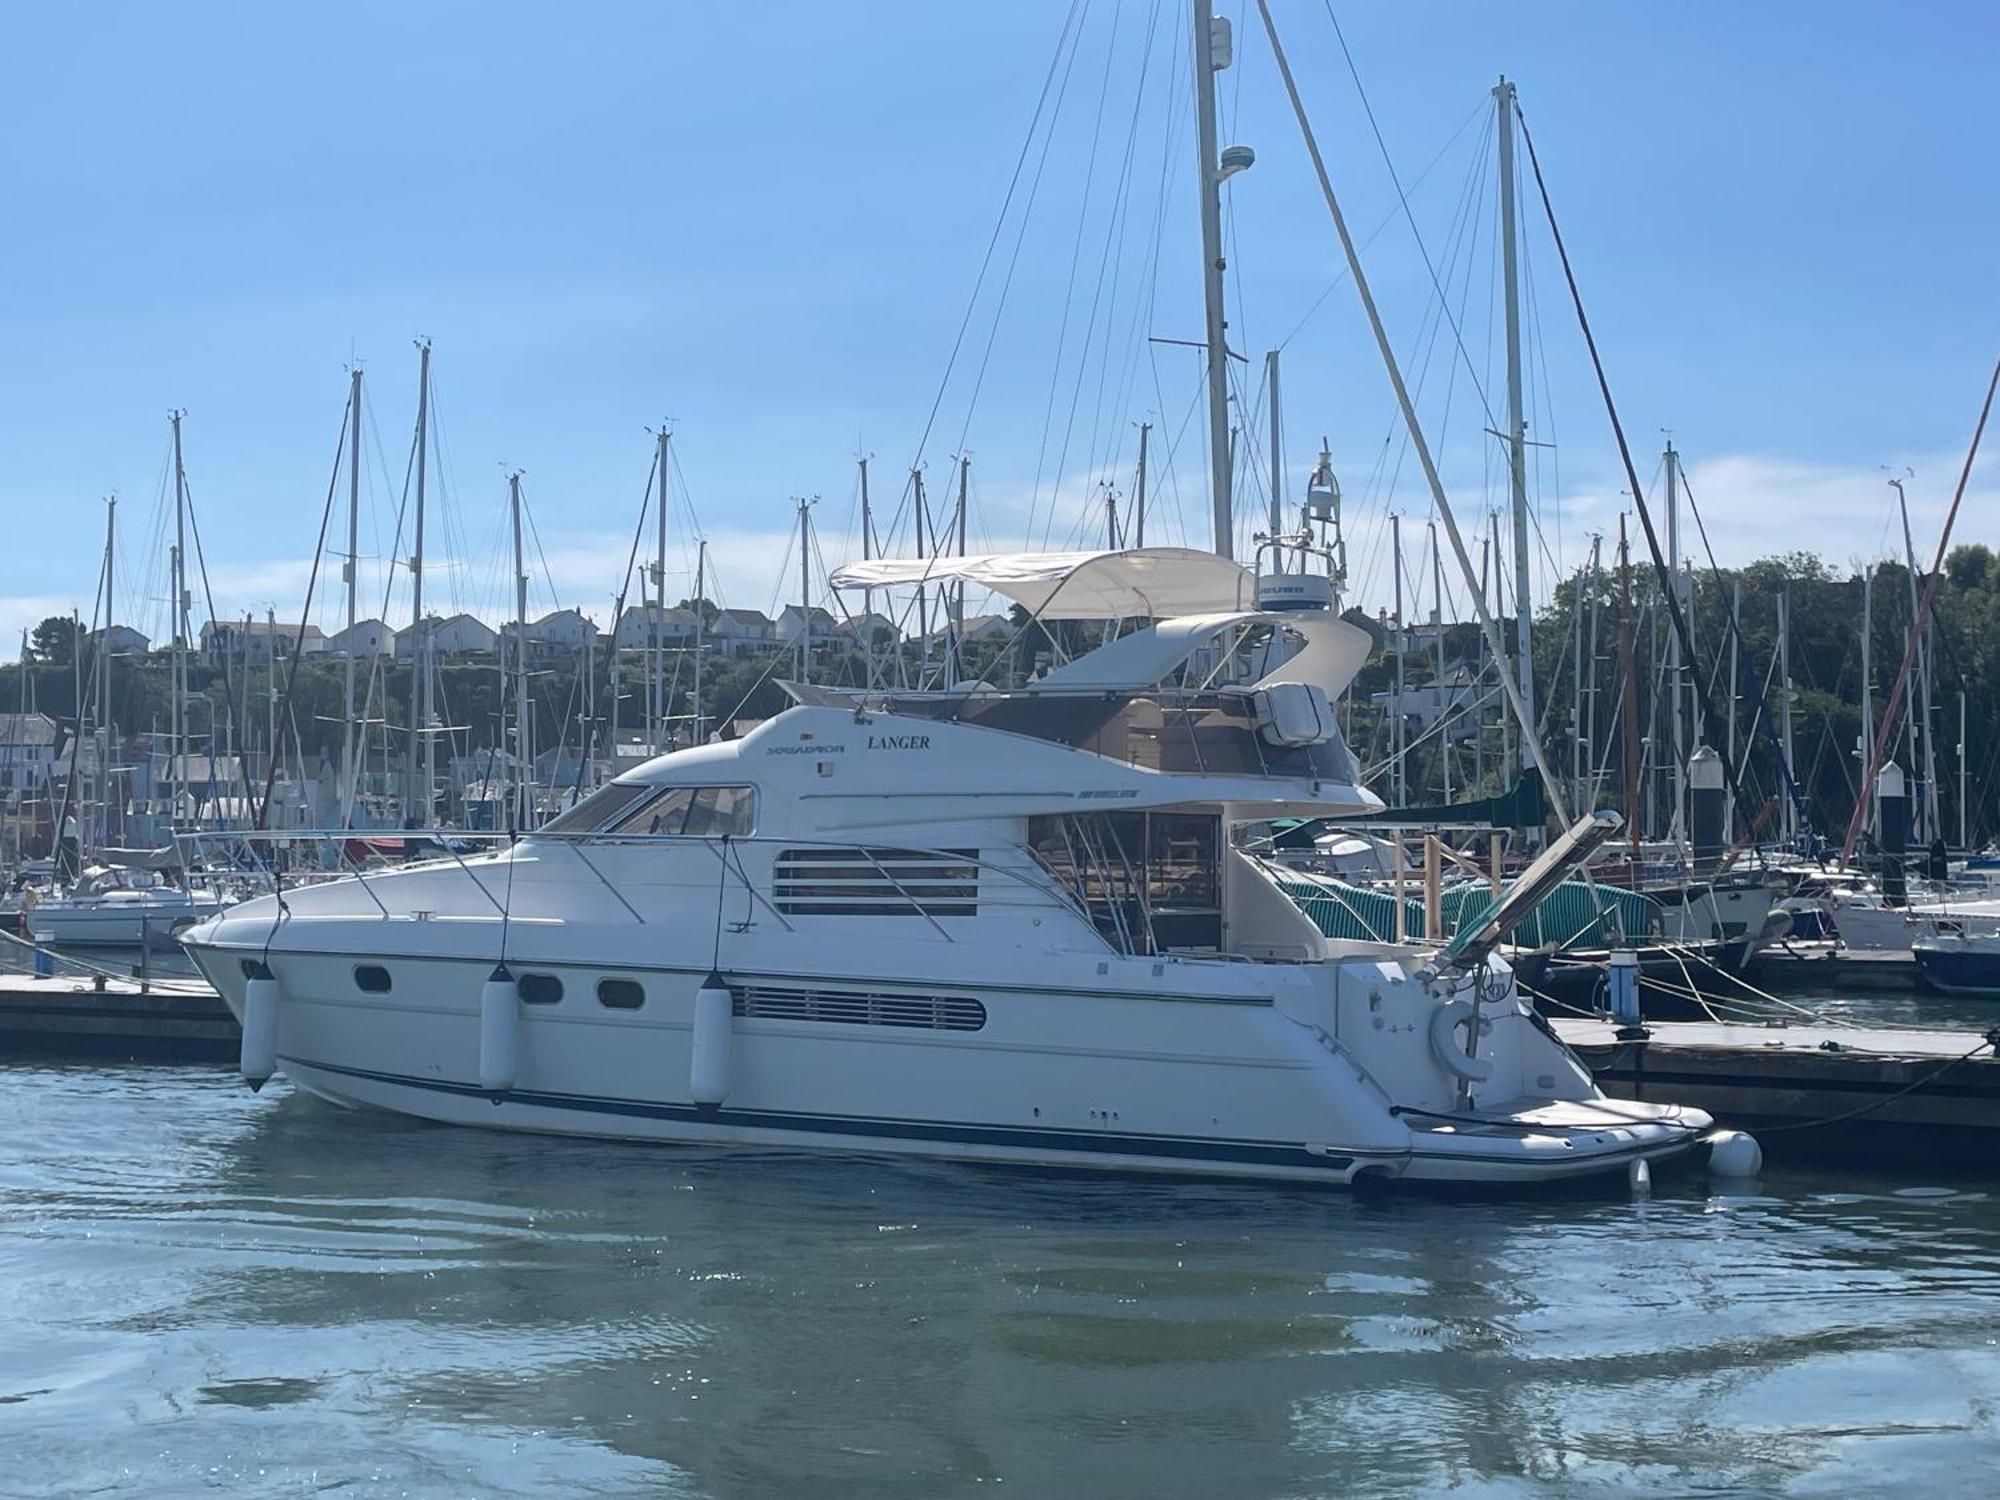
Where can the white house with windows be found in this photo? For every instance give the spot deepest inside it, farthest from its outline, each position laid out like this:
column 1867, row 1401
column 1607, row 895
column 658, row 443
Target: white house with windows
column 455, row 635
column 737, row 632
column 868, row 628
column 647, row 627
column 792, row 622
column 122, row 640
column 362, row 638
column 562, row 632
column 260, row 641
column 28, row 745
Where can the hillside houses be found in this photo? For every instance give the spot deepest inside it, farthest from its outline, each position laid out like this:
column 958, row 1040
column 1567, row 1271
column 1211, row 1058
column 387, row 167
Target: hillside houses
column 457, row 635
column 738, row 632
column 559, row 634
column 648, row 627
column 363, row 638
column 120, row 640
column 259, row 641
column 793, row 621
column 29, row 744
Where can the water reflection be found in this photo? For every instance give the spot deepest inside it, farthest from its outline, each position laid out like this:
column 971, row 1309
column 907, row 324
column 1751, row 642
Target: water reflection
column 210, row 1290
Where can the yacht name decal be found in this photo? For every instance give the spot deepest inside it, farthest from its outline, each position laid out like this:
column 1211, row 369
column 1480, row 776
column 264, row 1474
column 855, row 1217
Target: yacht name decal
column 899, row 742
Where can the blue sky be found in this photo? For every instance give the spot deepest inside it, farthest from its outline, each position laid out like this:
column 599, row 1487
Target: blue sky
column 765, row 222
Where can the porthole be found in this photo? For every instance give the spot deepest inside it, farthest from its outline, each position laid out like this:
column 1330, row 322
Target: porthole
column 371, row 979
column 620, row 994
column 540, row 989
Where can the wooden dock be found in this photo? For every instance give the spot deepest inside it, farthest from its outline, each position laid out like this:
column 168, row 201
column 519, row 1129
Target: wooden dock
column 1828, row 1092
column 99, row 1016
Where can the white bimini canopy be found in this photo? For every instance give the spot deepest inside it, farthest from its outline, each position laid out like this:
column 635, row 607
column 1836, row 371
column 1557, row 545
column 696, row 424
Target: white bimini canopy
column 1145, row 582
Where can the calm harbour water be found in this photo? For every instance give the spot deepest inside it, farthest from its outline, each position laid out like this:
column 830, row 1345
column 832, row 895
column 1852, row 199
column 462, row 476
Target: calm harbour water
column 210, row 1292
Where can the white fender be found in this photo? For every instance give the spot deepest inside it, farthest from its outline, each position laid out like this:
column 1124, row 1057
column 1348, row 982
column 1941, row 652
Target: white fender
column 258, row 1059
column 708, row 1056
column 499, row 1032
column 1445, row 1021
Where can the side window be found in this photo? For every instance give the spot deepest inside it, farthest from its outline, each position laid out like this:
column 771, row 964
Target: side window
column 600, row 808
column 371, row 979
column 723, row 811
column 620, row 994
column 663, row 815
column 540, row 989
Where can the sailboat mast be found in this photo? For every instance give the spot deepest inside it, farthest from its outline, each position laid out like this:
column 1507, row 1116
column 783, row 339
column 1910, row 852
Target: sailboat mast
column 1209, row 59
column 867, row 552
column 1924, row 746
column 1867, row 683
column 1576, row 756
column 104, row 668
column 418, row 808
column 1277, row 447
column 1396, row 727
column 1963, row 821
column 657, row 656
column 177, row 749
column 1785, row 702
column 700, row 631
column 805, row 592
column 350, row 575
column 956, row 597
column 1437, row 623
column 920, row 511
column 1139, row 489
column 1590, row 666
column 524, row 750
column 1735, row 613
column 1628, row 696
column 1678, row 749
column 1517, row 427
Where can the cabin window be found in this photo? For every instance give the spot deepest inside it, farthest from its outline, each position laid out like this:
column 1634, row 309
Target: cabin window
column 540, row 989
column 722, row 812
column 620, row 994
column 371, row 979
column 663, row 814
column 857, row 882
column 1149, row 881
column 601, row 807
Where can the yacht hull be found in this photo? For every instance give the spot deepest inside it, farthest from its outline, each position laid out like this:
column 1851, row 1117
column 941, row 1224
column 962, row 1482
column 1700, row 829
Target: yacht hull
column 1072, row 1079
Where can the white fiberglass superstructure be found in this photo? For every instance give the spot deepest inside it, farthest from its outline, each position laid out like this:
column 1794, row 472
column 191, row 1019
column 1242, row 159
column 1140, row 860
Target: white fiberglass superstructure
column 996, row 925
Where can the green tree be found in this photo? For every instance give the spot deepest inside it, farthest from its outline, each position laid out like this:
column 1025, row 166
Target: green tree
column 53, row 642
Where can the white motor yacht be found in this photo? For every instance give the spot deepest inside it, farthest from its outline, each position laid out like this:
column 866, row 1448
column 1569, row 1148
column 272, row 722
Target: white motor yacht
column 1006, row 926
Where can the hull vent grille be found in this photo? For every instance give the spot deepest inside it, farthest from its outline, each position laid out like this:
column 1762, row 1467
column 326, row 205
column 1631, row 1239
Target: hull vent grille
column 860, row 1008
